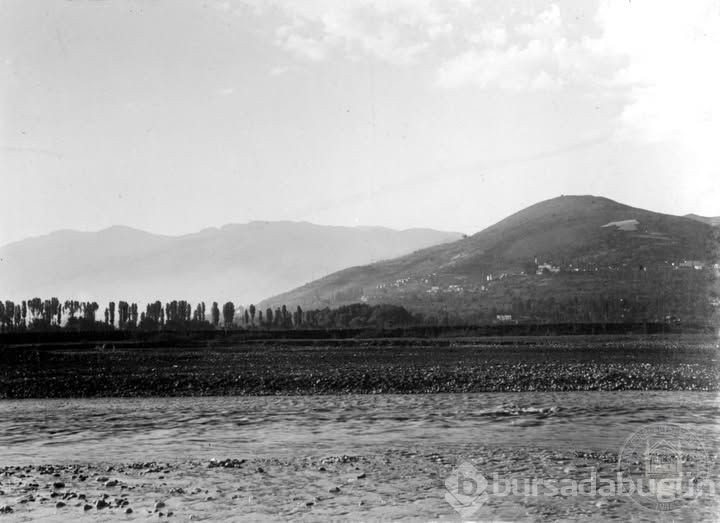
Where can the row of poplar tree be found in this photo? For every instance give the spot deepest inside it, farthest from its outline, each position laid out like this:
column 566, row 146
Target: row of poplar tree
column 39, row 314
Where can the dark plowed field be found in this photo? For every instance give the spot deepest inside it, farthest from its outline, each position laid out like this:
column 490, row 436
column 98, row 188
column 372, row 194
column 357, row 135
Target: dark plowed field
column 656, row 362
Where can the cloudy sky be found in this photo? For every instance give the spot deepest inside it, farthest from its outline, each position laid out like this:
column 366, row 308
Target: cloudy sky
column 172, row 115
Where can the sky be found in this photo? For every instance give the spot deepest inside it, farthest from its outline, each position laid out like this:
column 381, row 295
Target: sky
column 172, row 115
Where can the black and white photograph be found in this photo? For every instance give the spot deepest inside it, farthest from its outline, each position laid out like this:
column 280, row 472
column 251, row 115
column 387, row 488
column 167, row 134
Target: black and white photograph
column 360, row 260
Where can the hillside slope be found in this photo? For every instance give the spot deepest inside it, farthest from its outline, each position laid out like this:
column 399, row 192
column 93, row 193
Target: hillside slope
column 582, row 247
column 241, row 263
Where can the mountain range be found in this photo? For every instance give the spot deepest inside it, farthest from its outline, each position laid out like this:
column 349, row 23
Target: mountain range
column 240, row 263
column 560, row 257
column 565, row 249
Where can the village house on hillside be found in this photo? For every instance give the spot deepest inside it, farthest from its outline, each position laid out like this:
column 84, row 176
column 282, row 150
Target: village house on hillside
column 691, row 264
column 547, row 267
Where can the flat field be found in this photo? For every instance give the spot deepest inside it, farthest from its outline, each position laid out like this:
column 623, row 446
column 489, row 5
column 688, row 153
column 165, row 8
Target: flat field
column 365, row 366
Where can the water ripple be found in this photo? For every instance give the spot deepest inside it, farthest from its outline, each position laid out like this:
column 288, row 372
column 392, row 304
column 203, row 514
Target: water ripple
column 45, row 431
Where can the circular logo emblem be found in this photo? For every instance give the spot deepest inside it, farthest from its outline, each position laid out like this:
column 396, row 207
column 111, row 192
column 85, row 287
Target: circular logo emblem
column 663, row 466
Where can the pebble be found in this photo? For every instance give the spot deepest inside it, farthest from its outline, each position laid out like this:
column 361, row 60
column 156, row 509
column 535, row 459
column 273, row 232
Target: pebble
column 111, row 483
column 100, row 504
column 434, row 371
column 59, row 504
column 128, row 510
column 159, row 505
column 6, row 509
column 58, row 484
column 334, row 490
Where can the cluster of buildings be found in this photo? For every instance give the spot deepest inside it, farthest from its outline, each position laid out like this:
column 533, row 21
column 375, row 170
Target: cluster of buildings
column 400, row 282
column 690, row 264
column 547, row 267
column 429, row 283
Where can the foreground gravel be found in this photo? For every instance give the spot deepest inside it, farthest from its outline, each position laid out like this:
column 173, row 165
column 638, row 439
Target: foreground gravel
column 388, row 485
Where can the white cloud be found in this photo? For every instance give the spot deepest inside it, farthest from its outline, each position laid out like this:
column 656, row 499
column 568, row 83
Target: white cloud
column 283, row 69
column 539, row 64
column 495, row 36
column 439, row 30
column 659, row 56
column 672, row 73
column 672, row 80
column 397, row 32
column 515, row 68
column 301, row 45
column 546, row 24
column 543, row 81
column 535, row 55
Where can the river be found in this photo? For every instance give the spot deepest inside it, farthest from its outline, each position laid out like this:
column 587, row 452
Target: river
column 542, row 433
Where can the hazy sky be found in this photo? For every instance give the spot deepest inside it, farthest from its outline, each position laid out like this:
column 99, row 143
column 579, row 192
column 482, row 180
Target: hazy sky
column 171, row 115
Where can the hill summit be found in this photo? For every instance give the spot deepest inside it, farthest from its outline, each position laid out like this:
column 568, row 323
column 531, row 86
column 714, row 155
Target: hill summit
column 575, row 252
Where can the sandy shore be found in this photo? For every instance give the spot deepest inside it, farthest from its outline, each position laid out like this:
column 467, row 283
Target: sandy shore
column 392, row 484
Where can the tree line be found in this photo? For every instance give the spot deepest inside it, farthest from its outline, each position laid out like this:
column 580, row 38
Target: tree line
column 53, row 314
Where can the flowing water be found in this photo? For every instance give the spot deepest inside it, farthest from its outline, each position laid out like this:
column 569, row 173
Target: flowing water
column 54, row 431
column 420, row 438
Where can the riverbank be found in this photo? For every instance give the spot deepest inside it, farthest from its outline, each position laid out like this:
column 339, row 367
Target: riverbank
column 389, row 485
column 361, row 457
column 363, row 366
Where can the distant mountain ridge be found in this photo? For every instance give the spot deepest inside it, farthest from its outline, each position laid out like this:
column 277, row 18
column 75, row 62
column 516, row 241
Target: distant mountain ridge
column 236, row 262
column 583, row 246
column 711, row 220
